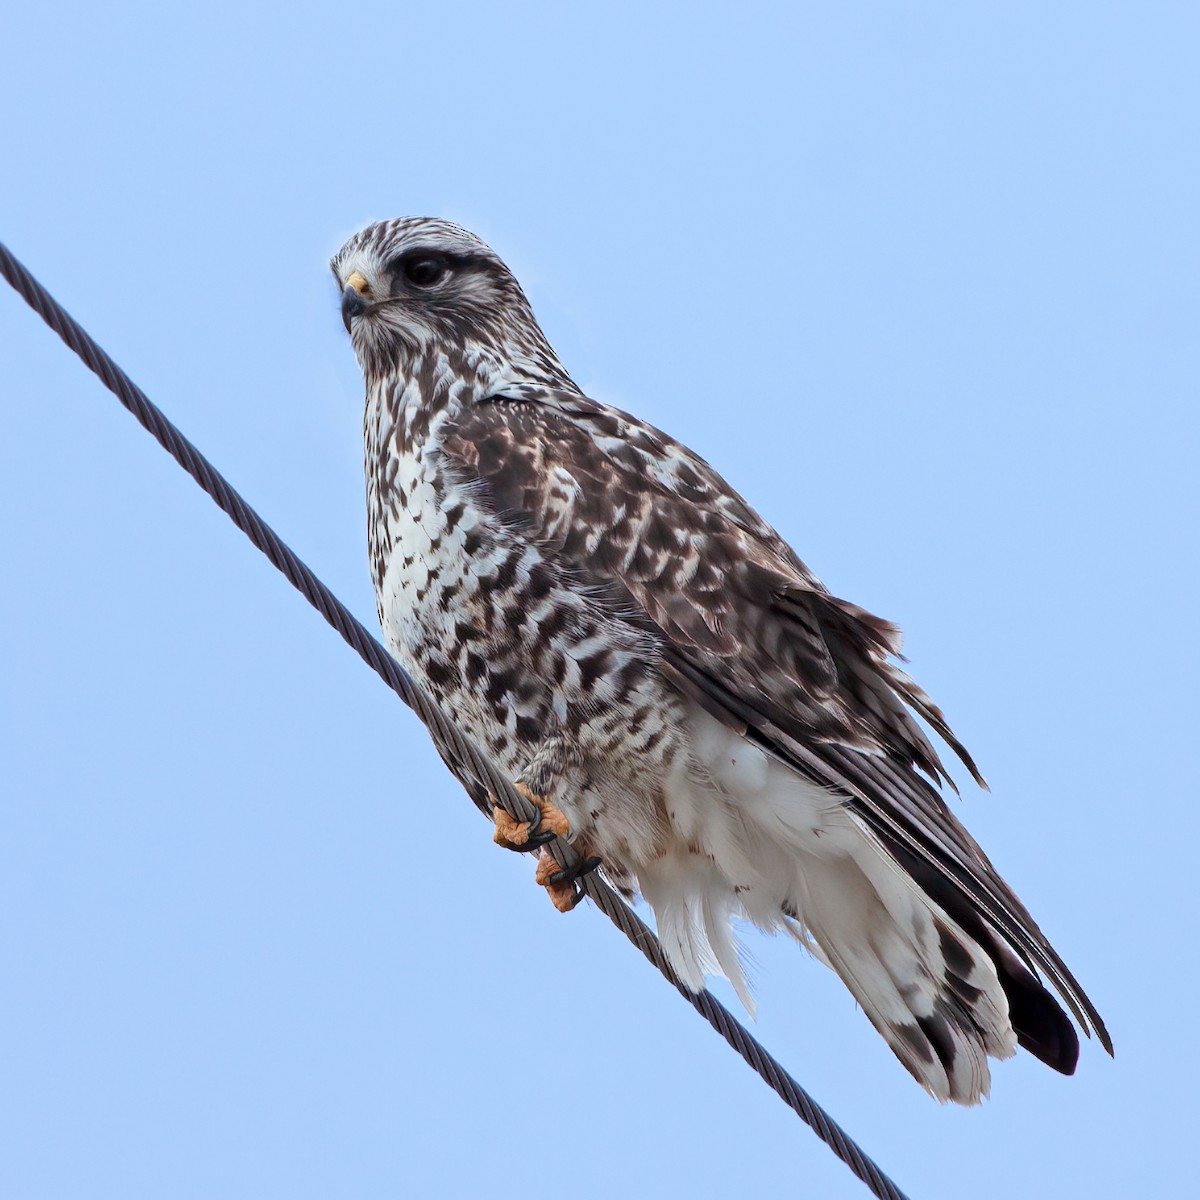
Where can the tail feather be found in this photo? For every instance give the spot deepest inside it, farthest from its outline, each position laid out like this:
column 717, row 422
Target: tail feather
column 922, row 982
column 753, row 839
column 1041, row 1026
column 926, row 986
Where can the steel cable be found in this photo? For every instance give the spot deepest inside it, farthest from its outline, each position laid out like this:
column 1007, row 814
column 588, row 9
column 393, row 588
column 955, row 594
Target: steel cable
column 463, row 756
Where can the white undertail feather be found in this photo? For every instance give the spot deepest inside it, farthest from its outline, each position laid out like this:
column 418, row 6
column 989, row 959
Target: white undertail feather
column 754, row 840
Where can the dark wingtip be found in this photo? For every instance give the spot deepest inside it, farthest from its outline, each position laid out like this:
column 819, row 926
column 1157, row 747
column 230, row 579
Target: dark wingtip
column 1042, row 1027
column 1057, row 1048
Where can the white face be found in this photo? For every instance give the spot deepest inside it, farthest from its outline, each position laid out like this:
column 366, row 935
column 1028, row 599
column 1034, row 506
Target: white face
column 415, row 283
column 420, row 288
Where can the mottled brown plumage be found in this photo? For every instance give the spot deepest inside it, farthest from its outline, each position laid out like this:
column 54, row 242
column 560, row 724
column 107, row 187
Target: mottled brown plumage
column 616, row 625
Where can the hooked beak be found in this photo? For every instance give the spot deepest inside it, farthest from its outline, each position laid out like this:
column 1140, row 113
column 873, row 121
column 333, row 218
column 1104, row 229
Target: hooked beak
column 354, row 302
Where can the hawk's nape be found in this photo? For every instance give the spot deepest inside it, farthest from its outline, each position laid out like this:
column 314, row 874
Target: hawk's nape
column 654, row 666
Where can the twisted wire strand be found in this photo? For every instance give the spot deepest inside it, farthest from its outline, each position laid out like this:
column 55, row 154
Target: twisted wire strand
column 472, row 767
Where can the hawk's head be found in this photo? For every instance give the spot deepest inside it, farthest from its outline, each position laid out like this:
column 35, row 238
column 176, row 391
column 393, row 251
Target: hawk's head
column 418, row 286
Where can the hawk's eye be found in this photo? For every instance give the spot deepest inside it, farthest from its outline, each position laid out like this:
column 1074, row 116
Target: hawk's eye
column 425, row 270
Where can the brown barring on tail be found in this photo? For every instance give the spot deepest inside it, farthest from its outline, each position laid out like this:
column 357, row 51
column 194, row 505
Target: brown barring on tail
column 655, row 666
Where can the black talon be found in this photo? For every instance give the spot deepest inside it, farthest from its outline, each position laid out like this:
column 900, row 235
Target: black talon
column 571, row 874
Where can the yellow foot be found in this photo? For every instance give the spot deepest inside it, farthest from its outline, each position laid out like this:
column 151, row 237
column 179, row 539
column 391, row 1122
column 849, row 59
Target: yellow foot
column 514, row 835
column 562, row 893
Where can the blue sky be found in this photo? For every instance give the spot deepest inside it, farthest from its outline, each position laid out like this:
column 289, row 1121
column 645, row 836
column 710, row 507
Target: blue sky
column 922, row 283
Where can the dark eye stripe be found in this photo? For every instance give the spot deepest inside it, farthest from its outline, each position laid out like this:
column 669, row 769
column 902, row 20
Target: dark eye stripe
column 457, row 264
